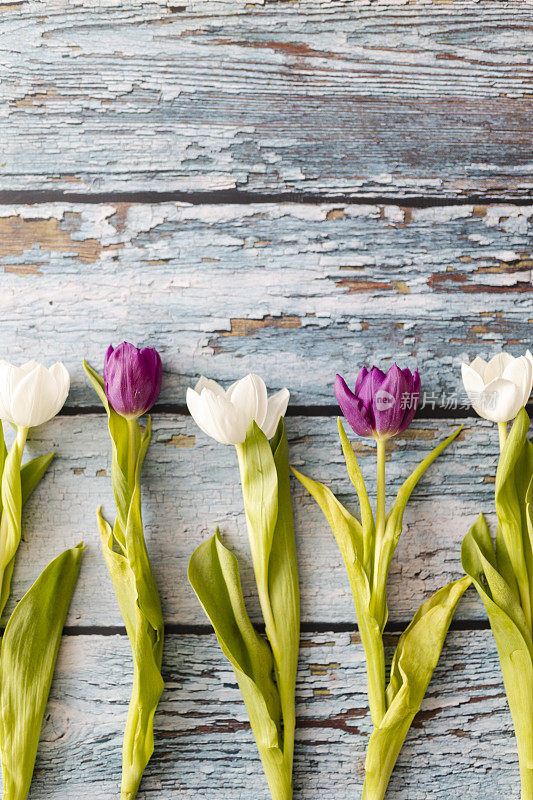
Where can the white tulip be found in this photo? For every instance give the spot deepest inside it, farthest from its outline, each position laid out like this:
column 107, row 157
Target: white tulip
column 499, row 388
column 226, row 415
column 32, row 394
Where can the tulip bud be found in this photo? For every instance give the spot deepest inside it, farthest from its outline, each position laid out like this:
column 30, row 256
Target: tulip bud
column 498, row 389
column 381, row 405
column 32, row 394
column 226, row 415
column 132, row 379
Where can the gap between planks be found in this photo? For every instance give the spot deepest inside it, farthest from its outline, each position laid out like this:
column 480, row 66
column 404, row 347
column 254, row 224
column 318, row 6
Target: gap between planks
column 393, row 628
column 429, row 413
column 237, row 197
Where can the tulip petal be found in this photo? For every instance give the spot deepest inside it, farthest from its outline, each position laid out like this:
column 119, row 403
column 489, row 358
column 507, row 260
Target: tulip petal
column 9, row 378
column 223, row 419
column 213, row 386
column 472, row 380
column 363, row 372
column 276, row 408
column 479, row 365
column 530, row 359
column 211, row 413
column 197, row 410
column 34, row 399
column 518, row 371
column 500, row 401
column 412, row 403
column 353, row 408
column 249, row 397
column 496, row 366
column 387, row 402
column 60, row 374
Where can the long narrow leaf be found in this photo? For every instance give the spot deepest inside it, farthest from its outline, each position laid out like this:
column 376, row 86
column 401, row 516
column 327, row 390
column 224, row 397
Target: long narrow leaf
column 214, row 576
column 126, row 556
column 260, row 493
column 349, row 536
column 514, row 643
column 356, row 477
column 414, row 662
column 27, row 661
column 284, row 594
column 31, row 474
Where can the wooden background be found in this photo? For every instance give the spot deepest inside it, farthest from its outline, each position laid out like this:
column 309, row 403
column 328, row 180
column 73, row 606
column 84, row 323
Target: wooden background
column 293, row 188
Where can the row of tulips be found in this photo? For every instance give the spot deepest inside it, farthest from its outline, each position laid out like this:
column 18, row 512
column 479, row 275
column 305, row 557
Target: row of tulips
column 380, row 406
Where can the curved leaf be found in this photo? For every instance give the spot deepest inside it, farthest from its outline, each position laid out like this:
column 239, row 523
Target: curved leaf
column 284, row 594
column 260, row 493
column 126, row 556
column 512, row 495
column 214, row 576
column 349, row 536
column 414, row 662
column 27, row 661
column 356, row 477
column 513, row 640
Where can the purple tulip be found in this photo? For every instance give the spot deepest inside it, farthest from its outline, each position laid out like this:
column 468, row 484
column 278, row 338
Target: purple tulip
column 132, row 378
column 381, row 405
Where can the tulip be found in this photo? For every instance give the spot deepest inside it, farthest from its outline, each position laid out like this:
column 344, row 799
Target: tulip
column 132, row 379
column 32, row 394
column 380, row 405
column 130, row 386
column 226, row 415
column 498, row 389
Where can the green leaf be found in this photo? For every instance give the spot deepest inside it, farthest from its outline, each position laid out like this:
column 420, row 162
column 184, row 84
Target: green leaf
column 32, row 472
column 260, row 493
column 512, row 496
column 214, row 576
column 414, row 662
column 513, row 640
column 127, row 560
column 123, row 460
column 138, row 599
column 11, row 521
column 27, row 661
column 349, row 536
column 284, row 594
column 3, row 456
column 393, row 528
column 395, row 515
column 346, row 528
column 356, row 477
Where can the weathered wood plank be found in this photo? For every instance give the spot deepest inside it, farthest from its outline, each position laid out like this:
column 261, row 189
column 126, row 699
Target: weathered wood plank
column 191, row 484
column 461, row 744
column 295, row 292
column 332, row 97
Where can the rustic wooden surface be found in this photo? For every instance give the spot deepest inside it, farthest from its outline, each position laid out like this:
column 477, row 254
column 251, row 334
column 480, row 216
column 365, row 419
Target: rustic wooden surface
column 461, row 741
column 224, row 289
column 413, row 99
column 293, row 188
column 191, row 484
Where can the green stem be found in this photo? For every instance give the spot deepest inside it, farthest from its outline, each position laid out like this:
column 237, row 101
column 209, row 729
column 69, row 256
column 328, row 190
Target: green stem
column 11, row 523
column 371, row 635
column 380, row 515
column 521, row 573
column 261, row 575
column 502, row 432
column 375, row 669
column 132, row 459
column 526, row 779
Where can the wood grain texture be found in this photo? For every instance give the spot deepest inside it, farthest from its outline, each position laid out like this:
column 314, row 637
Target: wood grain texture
column 345, row 97
column 295, row 292
column 191, row 484
column 461, row 743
